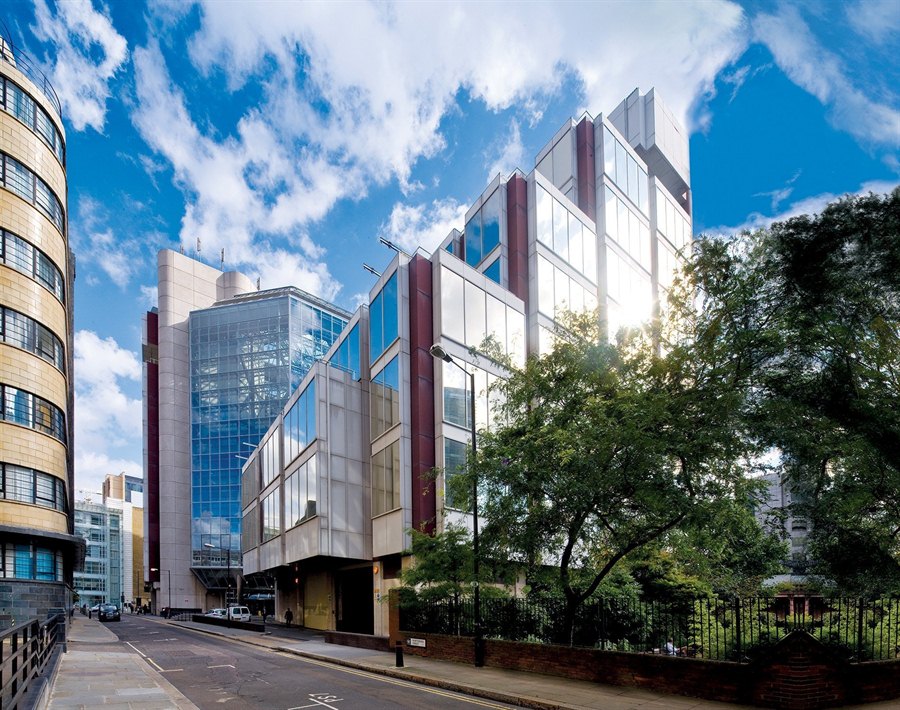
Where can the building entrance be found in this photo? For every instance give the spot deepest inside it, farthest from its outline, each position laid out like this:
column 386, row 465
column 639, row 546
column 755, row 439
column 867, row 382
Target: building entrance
column 353, row 594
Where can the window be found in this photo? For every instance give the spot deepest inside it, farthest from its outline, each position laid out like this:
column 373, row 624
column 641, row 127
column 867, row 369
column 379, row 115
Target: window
column 300, row 494
column 20, row 180
column 454, row 463
column 384, row 399
column 347, row 354
column 271, row 461
column 386, row 479
column 16, row 101
column 493, row 271
column 299, row 427
column 564, row 233
column 23, row 332
column 26, row 409
column 272, row 515
column 384, row 319
column 482, row 234
column 624, row 170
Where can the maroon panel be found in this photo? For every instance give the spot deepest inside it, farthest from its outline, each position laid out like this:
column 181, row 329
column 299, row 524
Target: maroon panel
column 587, row 169
column 151, row 484
column 517, row 235
column 421, row 334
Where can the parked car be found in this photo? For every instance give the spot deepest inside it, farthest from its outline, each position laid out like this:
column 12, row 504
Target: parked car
column 109, row 612
column 218, row 613
column 239, row 613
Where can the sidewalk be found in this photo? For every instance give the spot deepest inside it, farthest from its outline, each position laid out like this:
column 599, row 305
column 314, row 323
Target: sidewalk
column 94, row 673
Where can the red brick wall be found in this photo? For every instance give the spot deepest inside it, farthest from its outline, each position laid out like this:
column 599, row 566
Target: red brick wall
column 798, row 674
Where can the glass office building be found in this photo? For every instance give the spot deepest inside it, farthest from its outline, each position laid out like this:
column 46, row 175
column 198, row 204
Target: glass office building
column 247, row 356
column 101, row 578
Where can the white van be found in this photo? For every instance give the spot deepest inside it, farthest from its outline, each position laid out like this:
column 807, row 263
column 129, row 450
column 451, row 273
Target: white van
column 238, row 613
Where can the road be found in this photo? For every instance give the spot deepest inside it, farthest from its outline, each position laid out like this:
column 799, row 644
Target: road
column 215, row 672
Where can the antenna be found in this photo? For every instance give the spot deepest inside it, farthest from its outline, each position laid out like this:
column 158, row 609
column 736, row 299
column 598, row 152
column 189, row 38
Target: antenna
column 390, row 245
column 222, row 259
column 198, row 245
column 257, row 283
column 372, row 271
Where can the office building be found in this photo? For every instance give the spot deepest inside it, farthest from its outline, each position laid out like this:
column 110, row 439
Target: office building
column 125, row 493
column 101, row 579
column 347, row 468
column 221, row 359
column 38, row 549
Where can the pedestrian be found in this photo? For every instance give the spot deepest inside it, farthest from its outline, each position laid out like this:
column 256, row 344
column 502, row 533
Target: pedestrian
column 669, row 648
column 288, row 617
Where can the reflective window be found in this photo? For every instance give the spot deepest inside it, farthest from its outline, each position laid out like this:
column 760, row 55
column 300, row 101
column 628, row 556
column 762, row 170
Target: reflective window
column 493, row 272
column 386, row 479
column 299, row 427
column 272, row 515
column 21, row 407
column 457, row 397
column 482, row 233
column 384, row 319
column 300, row 494
column 627, row 229
column 625, row 171
column 27, row 561
column 558, row 292
column 384, row 399
column 469, row 315
column 567, row 235
column 20, row 180
column 454, row 463
column 630, row 288
column 16, row 101
column 29, row 486
column 347, row 355
column 670, row 222
column 23, row 332
column 270, row 459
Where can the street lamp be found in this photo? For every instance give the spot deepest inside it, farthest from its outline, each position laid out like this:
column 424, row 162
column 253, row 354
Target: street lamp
column 438, row 352
column 227, row 554
column 168, row 582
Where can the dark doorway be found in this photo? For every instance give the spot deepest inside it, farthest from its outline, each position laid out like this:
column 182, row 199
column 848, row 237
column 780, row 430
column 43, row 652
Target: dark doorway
column 353, row 593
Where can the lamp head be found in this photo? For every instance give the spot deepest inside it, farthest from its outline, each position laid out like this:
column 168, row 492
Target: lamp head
column 437, row 351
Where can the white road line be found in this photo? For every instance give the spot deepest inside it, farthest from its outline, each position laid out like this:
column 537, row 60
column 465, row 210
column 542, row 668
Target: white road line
column 224, row 665
column 136, row 649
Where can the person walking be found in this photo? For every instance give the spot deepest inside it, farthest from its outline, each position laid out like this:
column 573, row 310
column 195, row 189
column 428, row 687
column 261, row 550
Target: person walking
column 288, row 617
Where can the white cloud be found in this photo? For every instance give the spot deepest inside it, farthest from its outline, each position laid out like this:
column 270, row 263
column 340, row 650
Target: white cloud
column 424, row 225
column 108, row 418
column 876, row 20
column 808, row 205
column 781, row 194
column 87, row 54
column 96, row 242
column 508, row 154
column 819, row 71
column 352, row 99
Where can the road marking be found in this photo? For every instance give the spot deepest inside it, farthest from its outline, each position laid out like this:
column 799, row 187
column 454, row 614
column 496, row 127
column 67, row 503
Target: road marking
column 136, row 649
column 155, row 664
column 224, row 665
column 320, row 699
column 394, row 681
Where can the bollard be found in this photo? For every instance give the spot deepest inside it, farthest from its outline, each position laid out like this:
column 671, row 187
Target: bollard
column 399, row 651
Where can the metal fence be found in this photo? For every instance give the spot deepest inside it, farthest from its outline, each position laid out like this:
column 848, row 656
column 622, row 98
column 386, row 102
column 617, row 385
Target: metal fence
column 24, row 652
column 719, row 629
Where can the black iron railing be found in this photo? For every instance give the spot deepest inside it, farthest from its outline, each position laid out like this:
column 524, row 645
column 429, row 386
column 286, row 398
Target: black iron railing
column 24, row 652
column 726, row 630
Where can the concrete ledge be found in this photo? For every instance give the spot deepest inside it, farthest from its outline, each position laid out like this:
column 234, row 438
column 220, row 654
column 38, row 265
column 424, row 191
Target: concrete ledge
column 343, row 638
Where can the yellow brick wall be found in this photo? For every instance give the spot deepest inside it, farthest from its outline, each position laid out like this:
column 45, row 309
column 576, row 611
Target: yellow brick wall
column 31, row 373
column 28, row 222
column 32, row 516
column 25, row 295
column 25, row 447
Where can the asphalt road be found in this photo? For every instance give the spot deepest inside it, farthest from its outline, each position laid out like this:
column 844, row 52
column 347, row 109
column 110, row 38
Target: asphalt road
column 215, row 672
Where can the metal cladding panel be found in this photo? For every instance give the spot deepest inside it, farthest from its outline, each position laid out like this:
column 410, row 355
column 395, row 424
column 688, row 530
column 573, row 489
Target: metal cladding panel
column 517, row 235
column 151, row 493
column 587, row 172
column 421, row 338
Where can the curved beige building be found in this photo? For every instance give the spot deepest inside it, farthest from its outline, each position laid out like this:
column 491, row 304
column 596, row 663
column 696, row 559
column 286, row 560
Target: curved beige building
column 37, row 547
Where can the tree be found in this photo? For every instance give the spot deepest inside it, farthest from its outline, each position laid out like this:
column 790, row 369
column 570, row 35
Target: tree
column 810, row 308
column 607, row 448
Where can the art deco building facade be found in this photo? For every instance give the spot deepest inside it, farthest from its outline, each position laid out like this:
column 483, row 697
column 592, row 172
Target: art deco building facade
column 37, row 545
column 347, row 468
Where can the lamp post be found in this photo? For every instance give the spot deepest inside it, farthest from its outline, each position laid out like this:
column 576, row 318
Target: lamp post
column 168, row 583
column 227, row 554
column 438, row 352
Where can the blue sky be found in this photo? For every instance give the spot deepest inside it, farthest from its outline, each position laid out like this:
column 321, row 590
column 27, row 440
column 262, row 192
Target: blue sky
column 292, row 135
